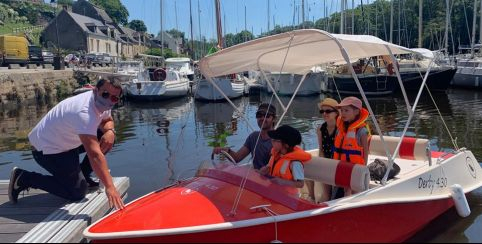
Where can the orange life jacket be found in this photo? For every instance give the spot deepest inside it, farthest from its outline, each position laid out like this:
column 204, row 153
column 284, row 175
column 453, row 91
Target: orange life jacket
column 346, row 146
column 281, row 166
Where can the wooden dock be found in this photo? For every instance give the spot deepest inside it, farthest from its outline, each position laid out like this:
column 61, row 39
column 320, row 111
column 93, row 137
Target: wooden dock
column 42, row 217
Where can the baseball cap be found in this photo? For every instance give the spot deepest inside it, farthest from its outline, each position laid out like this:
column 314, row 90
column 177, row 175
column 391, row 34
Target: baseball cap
column 353, row 101
column 286, row 134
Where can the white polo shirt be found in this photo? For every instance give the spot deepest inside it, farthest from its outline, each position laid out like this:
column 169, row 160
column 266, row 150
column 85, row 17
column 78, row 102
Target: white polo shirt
column 59, row 129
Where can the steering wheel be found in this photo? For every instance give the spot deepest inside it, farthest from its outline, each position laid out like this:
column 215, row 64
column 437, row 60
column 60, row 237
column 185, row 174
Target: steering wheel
column 226, row 154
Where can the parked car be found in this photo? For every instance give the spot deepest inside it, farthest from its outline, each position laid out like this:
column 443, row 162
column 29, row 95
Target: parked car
column 34, row 54
column 48, row 57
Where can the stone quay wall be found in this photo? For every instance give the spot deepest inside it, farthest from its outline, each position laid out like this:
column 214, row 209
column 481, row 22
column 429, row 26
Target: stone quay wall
column 20, row 87
column 27, row 86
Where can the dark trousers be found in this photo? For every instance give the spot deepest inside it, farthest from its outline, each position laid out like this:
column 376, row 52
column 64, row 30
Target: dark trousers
column 67, row 179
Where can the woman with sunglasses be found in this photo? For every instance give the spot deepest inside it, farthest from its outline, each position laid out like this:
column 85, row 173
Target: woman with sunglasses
column 67, row 130
column 326, row 138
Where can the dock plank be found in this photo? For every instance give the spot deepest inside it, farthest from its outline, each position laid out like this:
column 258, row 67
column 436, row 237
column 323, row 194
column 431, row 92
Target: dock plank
column 10, row 238
column 42, row 217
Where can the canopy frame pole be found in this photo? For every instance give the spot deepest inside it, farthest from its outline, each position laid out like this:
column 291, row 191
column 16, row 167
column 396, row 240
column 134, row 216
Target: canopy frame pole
column 410, row 116
column 229, row 100
column 399, row 78
column 291, row 100
column 372, row 115
column 272, row 88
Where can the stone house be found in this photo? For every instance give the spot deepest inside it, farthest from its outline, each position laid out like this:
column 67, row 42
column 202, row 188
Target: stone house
column 80, row 33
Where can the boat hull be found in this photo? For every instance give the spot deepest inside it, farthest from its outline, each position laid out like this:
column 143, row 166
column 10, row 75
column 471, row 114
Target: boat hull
column 436, row 81
column 373, row 85
column 381, row 223
column 205, row 91
column 468, row 78
column 157, row 90
column 287, row 83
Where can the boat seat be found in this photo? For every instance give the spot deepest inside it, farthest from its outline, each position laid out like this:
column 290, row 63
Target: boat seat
column 338, row 173
column 411, row 148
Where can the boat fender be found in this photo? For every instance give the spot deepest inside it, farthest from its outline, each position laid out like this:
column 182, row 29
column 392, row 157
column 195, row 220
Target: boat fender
column 460, row 201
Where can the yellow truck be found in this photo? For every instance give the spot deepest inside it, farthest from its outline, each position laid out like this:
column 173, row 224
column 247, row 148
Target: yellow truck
column 13, row 50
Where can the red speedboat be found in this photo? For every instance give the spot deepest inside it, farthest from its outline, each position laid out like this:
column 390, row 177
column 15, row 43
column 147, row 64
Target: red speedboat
column 231, row 203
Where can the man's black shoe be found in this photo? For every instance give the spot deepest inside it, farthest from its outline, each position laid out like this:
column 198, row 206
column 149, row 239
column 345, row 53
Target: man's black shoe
column 14, row 188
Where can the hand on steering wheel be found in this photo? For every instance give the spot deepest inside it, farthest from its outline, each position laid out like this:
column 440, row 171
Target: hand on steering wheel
column 227, row 155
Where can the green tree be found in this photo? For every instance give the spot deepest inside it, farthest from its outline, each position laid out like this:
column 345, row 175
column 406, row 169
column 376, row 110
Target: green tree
column 138, row 25
column 65, row 2
column 115, row 9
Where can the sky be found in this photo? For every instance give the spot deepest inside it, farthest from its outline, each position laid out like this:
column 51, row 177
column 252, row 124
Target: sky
column 176, row 14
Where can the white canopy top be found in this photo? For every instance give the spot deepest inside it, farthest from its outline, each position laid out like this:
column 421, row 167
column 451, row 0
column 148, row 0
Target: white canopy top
column 307, row 48
column 423, row 52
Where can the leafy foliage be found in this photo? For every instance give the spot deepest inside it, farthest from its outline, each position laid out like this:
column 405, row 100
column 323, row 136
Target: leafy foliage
column 138, row 25
column 166, row 53
column 115, row 9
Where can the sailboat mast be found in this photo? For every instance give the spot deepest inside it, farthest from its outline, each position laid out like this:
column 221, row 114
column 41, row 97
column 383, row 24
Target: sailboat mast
column 192, row 36
column 447, row 19
column 353, row 17
column 161, row 33
column 268, row 18
column 391, row 21
column 219, row 28
column 474, row 23
column 201, row 49
column 303, row 13
column 342, row 17
column 420, row 22
column 480, row 24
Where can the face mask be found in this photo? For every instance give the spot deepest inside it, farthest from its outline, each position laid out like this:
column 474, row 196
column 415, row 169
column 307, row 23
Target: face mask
column 103, row 104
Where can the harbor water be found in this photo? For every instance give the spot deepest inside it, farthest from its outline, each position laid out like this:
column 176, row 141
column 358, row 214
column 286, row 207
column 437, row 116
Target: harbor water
column 160, row 142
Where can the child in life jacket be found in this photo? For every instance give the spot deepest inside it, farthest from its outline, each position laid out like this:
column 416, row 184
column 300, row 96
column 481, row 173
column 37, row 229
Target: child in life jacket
column 287, row 159
column 351, row 140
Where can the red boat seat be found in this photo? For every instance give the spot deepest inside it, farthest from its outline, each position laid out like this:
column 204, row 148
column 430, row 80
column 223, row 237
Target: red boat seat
column 411, row 148
column 338, row 173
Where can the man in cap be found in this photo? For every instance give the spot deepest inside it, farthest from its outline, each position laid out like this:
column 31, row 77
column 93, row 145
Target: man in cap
column 258, row 143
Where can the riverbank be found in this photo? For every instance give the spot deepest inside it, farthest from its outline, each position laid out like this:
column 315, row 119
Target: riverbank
column 23, row 85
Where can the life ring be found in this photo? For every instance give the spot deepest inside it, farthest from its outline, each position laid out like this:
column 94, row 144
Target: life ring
column 159, row 74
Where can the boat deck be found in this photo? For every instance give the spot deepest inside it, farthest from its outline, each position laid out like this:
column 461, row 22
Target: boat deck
column 42, row 217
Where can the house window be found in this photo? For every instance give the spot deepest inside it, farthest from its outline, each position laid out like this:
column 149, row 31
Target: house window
column 91, row 45
column 98, row 45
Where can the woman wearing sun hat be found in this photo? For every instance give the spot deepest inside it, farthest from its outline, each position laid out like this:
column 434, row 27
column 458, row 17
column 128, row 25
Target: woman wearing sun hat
column 326, row 137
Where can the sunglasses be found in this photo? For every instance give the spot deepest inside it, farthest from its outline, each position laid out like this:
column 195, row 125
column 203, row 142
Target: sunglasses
column 263, row 114
column 106, row 95
column 327, row 111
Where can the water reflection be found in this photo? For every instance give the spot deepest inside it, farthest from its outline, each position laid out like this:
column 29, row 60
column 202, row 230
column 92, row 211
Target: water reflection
column 158, row 142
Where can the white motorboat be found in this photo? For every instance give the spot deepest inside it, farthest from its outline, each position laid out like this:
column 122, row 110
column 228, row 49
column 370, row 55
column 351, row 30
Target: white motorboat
column 285, row 84
column 233, row 203
column 161, row 84
column 233, row 86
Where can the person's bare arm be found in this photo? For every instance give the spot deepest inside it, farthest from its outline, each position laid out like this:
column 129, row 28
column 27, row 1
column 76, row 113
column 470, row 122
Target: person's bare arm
column 238, row 156
column 364, row 141
column 107, row 140
column 320, row 142
column 100, row 167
